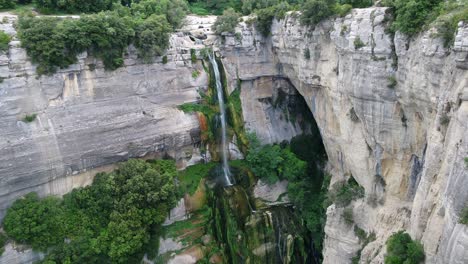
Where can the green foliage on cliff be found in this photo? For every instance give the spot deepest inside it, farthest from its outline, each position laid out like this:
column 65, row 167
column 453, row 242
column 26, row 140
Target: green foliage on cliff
column 227, row 22
column 401, row 249
column 74, row 6
column 3, row 241
column 272, row 162
column 343, row 193
column 112, row 220
column 4, row 41
column 7, row 4
column 54, row 43
column 464, row 215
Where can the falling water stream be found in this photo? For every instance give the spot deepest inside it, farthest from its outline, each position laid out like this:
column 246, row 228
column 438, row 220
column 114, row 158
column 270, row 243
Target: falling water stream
column 222, row 109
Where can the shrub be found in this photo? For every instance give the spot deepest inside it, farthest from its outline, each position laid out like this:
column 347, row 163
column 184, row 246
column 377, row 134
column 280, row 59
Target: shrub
column 164, row 59
column 195, row 74
column 357, row 3
column 3, row 241
column 29, row 118
column 74, row 6
column 343, row 10
column 447, row 26
column 343, row 193
column 227, row 22
column 7, row 4
column 152, row 37
column 307, row 54
column 358, row 43
column 4, row 41
column 265, row 17
column 193, row 55
column 412, row 15
column 401, row 249
column 272, row 163
column 174, row 10
column 464, row 215
column 314, row 11
column 392, row 82
column 348, row 215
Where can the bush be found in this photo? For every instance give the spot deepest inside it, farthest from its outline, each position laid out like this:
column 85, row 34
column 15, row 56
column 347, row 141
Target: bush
column 4, row 41
column 74, row 6
column 314, row 11
column 358, row 43
column 174, row 10
column 464, row 215
column 164, row 59
column 272, row 163
column 307, row 54
column 152, row 37
column 29, row 118
column 448, row 25
column 348, row 215
column 265, row 17
column 3, row 241
column 343, row 193
column 7, row 4
column 401, row 249
column 392, row 82
column 357, row 3
column 412, row 15
column 343, row 10
column 111, row 221
column 227, row 22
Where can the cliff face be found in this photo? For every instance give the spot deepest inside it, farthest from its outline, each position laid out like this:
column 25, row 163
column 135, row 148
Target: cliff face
column 90, row 118
column 393, row 114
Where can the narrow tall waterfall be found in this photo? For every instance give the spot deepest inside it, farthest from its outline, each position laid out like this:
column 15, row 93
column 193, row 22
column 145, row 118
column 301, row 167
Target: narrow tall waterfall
column 222, row 109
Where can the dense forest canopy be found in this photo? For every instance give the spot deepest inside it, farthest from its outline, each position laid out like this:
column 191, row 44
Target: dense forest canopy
column 115, row 220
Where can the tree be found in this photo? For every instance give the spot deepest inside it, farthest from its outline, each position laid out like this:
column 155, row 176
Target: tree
column 6, row 4
column 227, row 22
column 315, row 11
column 34, row 221
column 401, row 249
column 152, row 37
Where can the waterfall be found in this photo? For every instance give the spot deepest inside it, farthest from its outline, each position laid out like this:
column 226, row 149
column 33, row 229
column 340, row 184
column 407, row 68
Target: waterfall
column 222, row 109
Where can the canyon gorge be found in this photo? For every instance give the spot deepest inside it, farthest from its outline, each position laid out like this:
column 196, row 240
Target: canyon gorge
column 392, row 113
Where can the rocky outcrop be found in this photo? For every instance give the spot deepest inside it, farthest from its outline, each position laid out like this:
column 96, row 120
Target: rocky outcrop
column 392, row 113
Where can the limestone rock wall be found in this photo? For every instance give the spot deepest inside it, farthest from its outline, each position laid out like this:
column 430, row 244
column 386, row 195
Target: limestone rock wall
column 89, row 118
column 392, row 113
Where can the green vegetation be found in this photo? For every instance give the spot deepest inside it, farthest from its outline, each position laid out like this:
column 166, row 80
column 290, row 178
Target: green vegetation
column 115, row 220
column 464, row 215
column 392, row 82
column 343, row 193
column 401, row 249
column 164, row 59
column 195, row 74
column 272, row 163
column 227, row 22
column 3, row 241
column 190, row 178
column 348, row 215
column 307, row 54
column 193, row 55
column 54, row 43
column 358, row 43
column 29, row 118
column 466, row 161
column 364, row 239
column 4, row 41
column 7, row 4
